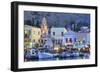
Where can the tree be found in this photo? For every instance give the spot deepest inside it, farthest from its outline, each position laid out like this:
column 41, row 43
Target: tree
column 38, row 23
column 27, row 22
column 74, row 27
column 32, row 21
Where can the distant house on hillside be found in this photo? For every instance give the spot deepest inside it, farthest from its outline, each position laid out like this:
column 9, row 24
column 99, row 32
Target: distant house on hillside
column 84, row 29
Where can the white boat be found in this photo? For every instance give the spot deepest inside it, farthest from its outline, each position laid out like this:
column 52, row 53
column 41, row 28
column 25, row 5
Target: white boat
column 44, row 55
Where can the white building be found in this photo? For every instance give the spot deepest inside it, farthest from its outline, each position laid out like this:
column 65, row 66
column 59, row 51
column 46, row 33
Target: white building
column 57, row 34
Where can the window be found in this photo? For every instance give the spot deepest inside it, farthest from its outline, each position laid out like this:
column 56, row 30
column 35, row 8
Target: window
column 83, row 42
column 62, row 33
column 53, row 33
column 38, row 40
column 56, row 41
column 33, row 40
column 59, row 41
column 41, row 36
column 66, row 40
column 41, row 41
column 38, row 33
column 70, row 40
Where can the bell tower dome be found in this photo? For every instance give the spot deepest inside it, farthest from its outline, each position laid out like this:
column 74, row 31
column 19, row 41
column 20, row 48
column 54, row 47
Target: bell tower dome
column 44, row 27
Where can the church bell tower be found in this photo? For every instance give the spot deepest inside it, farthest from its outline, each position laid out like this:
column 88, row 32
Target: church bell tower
column 44, row 27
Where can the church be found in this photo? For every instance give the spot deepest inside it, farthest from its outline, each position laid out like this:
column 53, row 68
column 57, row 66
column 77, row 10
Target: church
column 44, row 31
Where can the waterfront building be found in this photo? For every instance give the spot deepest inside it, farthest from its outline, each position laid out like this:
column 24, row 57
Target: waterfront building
column 36, row 35
column 57, row 34
column 69, row 38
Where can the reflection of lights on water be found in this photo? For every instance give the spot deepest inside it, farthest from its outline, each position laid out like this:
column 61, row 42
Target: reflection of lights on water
column 56, row 49
column 63, row 48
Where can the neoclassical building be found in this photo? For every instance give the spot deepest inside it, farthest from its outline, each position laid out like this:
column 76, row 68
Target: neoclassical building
column 36, row 34
column 57, row 34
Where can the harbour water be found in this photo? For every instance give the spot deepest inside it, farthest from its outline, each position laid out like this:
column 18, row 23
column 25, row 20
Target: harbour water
column 44, row 56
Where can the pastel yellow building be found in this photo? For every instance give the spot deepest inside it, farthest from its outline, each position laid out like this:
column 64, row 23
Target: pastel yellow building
column 36, row 34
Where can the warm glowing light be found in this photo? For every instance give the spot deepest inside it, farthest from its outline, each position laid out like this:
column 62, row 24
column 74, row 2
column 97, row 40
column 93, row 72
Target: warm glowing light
column 56, row 48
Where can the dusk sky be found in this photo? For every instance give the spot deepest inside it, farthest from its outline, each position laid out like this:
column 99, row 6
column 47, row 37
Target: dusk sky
column 58, row 19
